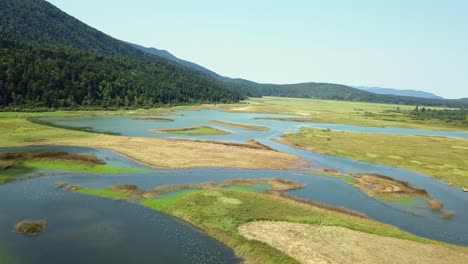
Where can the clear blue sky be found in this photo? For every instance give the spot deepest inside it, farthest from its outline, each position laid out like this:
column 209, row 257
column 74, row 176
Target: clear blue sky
column 405, row 44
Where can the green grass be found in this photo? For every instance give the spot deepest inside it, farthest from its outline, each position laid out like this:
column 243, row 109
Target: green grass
column 77, row 167
column 162, row 204
column 348, row 180
column 105, row 193
column 219, row 212
column 441, row 158
column 401, row 200
column 209, row 211
column 339, row 112
column 5, row 179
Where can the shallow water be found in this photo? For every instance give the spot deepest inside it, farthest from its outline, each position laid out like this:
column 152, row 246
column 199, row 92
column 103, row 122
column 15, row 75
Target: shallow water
column 128, row 224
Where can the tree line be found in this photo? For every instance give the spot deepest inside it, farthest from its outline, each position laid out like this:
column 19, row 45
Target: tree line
column 448, row 115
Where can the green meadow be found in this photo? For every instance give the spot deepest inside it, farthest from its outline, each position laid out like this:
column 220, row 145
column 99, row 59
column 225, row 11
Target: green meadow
column 438, row 157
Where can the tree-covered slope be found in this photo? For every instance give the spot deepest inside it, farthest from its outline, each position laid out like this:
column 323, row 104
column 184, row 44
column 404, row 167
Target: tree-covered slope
column 392, row 91
column 32, row 76
column 51, row 59
column 39, row 22
column 167, row 55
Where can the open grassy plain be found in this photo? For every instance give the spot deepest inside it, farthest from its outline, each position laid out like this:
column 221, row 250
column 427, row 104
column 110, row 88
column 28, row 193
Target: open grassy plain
column 339, row 112
column 438, row 157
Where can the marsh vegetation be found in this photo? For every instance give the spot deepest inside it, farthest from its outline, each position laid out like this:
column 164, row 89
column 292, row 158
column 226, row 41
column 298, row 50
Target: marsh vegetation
column 30, row 227
column 441, row 158
column 239, row 126
column 192, row 131
column 223, row 213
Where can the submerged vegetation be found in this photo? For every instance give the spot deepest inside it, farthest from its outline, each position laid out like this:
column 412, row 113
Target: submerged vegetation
column 22, row 165
column 220, row 212
column 193, row 131
column 445, row 160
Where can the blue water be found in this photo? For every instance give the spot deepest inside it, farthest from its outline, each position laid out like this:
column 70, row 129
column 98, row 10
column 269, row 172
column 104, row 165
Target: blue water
column 38, row 199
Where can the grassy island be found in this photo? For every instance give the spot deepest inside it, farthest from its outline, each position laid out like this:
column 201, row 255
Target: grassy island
column 239, row 126
column 193, row 131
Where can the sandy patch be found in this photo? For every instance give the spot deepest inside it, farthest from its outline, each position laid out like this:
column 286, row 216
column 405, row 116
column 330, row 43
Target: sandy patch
column 328, row 244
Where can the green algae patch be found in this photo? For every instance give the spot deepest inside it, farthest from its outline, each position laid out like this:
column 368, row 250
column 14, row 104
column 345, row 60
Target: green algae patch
column 193, row 131
column 24, row 165
column 77, row 167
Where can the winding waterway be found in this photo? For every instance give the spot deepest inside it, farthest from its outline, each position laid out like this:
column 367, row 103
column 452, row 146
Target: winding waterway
column 104, row 229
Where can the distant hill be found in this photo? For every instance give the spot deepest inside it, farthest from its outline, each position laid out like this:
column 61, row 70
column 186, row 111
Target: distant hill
column 327, row 91
column 50, row 59
column 392, row 91
column 167, row 55
column 89, row 68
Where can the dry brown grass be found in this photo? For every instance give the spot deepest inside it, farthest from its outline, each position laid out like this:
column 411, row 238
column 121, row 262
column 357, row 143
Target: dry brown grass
column 332, row 244
column 447, row 214
column 168, row 153
column 127, row 189
column 385, row 185
column 30, row 227
column 66, row 186
column 320, row 205
column 435, row 205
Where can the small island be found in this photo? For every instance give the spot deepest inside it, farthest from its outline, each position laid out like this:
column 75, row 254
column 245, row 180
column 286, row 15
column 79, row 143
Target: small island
column 239, row 126
column 192, row 131
column 152, row 119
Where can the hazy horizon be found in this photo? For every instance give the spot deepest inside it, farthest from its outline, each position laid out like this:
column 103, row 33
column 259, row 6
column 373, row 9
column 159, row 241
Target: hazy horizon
column 418, row 45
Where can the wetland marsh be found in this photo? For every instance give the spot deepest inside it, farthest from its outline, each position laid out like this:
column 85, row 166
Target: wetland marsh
column 193, row 167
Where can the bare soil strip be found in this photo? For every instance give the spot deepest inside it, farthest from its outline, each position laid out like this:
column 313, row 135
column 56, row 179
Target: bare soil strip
column 330, row 244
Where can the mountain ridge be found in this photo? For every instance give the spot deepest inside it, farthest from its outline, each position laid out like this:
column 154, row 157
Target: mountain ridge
column 400, row 92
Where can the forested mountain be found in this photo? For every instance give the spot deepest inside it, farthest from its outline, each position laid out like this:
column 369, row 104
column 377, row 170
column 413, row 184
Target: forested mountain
column 41, row 23
column 327, row 91
column 50, row 59
column 55, row 77
column 339, row 92
column 391, row 91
